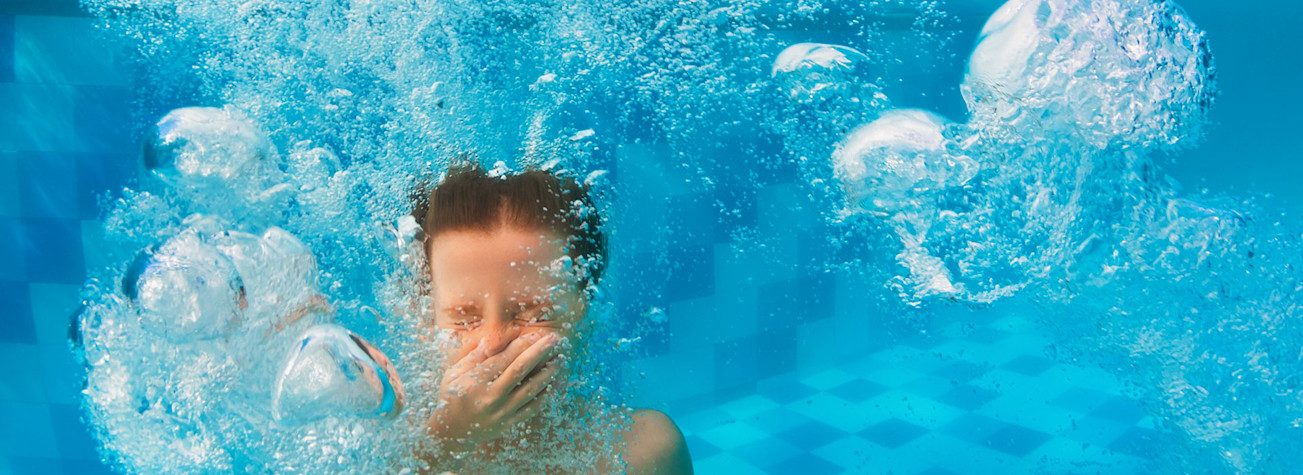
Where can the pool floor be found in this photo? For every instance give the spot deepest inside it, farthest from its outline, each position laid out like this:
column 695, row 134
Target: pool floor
column 977, row 398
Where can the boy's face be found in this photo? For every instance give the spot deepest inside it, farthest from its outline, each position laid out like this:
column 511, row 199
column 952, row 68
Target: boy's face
column 502, row 284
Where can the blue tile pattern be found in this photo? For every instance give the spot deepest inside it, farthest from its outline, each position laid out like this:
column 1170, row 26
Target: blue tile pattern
column 64, row 143
column 6, row 48
column 776, row 367
column 926, row 408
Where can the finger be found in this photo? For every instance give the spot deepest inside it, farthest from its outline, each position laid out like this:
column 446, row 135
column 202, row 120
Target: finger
column 493, row 366
column 471, row 359
column 532, row 387
column 527, row 362
column 529, row 409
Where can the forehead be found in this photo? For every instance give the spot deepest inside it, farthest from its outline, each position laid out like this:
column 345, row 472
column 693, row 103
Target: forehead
column 506, row 261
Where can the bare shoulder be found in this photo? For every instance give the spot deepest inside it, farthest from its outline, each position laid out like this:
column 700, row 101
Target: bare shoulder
column 655, row 445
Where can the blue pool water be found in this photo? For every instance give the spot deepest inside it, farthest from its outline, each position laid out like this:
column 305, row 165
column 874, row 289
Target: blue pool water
column 781, row 337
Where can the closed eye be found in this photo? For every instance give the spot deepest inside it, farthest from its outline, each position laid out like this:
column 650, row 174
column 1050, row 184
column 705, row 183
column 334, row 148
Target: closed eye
column 539, row 314
column 462, row 317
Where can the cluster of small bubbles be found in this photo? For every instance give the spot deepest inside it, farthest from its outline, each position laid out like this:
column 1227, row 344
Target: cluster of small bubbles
column 811, row 72
column 186, row 290
column 890, row 165
column 332, row 373
column 1136, row 73
column 1189, row 297
column 219, row 351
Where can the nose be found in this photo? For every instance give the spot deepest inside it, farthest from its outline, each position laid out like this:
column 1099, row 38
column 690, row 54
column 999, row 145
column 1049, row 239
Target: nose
column 495, row 337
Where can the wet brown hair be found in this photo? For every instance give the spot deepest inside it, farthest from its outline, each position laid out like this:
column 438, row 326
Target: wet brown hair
column 468, row 198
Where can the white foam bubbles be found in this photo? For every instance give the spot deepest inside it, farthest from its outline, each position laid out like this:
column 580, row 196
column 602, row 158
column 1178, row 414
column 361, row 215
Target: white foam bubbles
column 887, row 166
column 280, row 273
column 332, row 373
column 203, row 146
column 1108, row 71
column 812, row 72
column 188, row 290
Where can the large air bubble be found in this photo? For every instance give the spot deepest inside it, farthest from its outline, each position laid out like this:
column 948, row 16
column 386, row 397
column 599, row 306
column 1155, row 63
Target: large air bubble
column 207, row 146
column 187, row 290
column 1136, row 73
column 898, row 162
column 815, row 72
column 333, row 373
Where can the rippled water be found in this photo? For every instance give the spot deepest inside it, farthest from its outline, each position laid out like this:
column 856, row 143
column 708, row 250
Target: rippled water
column 267, row 235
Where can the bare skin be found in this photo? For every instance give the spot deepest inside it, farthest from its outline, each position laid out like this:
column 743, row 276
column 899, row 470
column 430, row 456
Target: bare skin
column 501, row 294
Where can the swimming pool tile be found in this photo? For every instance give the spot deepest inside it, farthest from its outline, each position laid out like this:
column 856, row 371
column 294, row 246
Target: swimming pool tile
column 966, row 458
column 699, row 449
column 21, row 376
column 834, row 411
column 1137, row 442
column 1081, row 399
column 731, row 435
column 694, row 273
column 703, row 420
column 735, row 363
column 784, row 389
column 737, row 391
column 48, row 185
column 748, row 406
column 858, row 390
column 94, row 251
column 1120, row 409
column 961, row 372
column 10, row 205
column 1029, row 411
column 778, row 420
column 831, row 342
column 777, row 351
column 16, row 324
column 99, row 174
column 915, row 409
column 893, row 376
column 1061, row 455
column 1009, row 382
column 6, row 48
column 737, row 211
column 967, row 396
column 742, row 269
column 892, row 433
column 693, row 321
column 809, row 464
column 916, row 358
column 1095, row 431
column 36, row 435
column 828, row 379
column 692, row 216
column 56, row 245
column 70, row 8
column 1094, row 378
column 725, row 463
column 1016, row 440
column 64, row 376
column 86, row 467
column 689, row 371
column 937, row 471
column 767, row 452
column 22, row 465
column 37, row 118
column 785, row 304
column 971, row 428
column 812, row 435
column 1030, row 365
column 57, row 50
column 73, row 436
